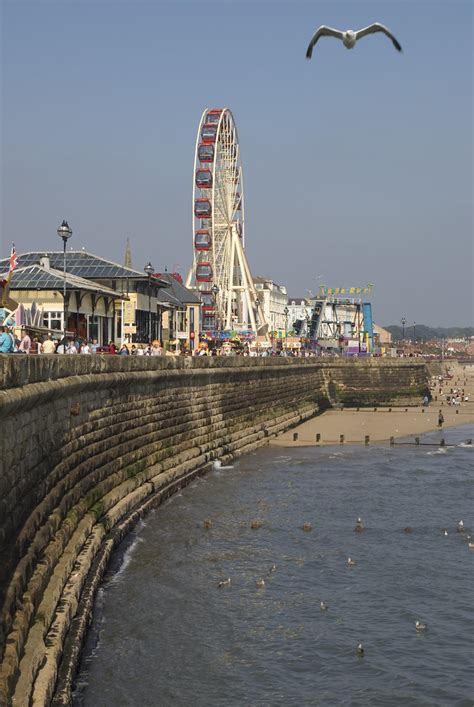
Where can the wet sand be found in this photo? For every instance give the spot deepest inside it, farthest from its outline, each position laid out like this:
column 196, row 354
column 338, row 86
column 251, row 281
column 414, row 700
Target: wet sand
column 382, row 424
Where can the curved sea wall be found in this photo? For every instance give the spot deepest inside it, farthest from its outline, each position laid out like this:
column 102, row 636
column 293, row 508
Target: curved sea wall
column 90, row 443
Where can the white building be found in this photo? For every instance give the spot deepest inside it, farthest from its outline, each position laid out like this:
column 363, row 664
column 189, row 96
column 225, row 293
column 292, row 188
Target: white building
column 299, row 308
column 274, row 300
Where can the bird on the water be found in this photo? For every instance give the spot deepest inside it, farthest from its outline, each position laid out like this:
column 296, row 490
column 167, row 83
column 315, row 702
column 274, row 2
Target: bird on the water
column 445, row 532
column 460, row 527
column 420, row 626
column 224, row 583
column 349, row 37
column 323, row 606
column 360, row 650
column 351, row 562
column 359, row 527
column 273, row 568
column 260, row 583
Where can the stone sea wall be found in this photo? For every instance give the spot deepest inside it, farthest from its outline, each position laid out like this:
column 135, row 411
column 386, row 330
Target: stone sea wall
column 90, row 443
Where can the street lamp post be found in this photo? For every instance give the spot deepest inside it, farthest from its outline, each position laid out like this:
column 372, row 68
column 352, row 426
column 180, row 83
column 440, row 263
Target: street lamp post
column 257, row 305
column 286, row 312
column 414, row 333
column 64, row 232
column 404, row 321
column 149, row 270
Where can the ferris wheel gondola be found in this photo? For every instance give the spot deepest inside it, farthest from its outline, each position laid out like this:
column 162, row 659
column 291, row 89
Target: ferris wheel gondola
column 220, row 271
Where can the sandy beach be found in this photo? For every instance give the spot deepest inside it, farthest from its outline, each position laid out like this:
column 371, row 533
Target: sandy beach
column 382, row 424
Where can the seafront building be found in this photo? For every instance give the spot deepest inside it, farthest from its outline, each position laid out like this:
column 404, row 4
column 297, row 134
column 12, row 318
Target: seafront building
column 382, row 336
column 274, row 299
column 299, row 311
column 104, row 300
column 181, row 313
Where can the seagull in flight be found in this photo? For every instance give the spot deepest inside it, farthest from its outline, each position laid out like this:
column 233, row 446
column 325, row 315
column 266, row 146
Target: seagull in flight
column 349, row 37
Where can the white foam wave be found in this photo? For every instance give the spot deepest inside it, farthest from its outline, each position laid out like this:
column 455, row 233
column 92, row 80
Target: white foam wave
column 127, row 556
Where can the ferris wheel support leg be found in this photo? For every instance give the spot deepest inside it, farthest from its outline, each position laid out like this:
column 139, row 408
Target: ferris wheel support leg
column 245, row 278
column 261, row 314
column 190, row 275
column 228, row 322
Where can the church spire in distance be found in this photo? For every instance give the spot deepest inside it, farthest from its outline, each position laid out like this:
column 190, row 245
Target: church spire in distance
column 128, row 255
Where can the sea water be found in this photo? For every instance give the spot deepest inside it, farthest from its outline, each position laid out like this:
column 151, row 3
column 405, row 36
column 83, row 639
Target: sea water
column 164, row 633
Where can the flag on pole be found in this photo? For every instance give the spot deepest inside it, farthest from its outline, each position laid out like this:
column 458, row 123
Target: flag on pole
column 6, row 283
column 13, row 259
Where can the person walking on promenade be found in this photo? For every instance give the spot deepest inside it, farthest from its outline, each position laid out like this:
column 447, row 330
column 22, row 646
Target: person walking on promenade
column 440, row 419
column 124, row 350
column 156, row 348
column 112, row 348
column 61, row 347
column 48, row 346
column 25, row 343
column 71, row 348
column 85, row 348
column 6, row 341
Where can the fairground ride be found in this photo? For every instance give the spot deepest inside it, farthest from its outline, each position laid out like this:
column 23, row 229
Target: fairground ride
column 220, row 271
column 336, row 317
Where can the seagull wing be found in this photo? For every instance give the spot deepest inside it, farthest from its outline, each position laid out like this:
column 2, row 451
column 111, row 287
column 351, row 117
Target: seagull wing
column 377, row 27
column 322, row 31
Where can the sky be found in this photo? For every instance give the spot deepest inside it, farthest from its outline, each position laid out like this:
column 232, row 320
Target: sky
column 358, row 165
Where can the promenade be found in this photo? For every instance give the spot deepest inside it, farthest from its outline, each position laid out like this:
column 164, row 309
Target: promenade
column 380, row 424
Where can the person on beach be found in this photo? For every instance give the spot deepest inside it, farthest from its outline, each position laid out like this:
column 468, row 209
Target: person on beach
column 440, row 419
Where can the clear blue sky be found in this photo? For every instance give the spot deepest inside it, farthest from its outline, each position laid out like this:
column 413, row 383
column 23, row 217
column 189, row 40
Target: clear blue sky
column 357, row 164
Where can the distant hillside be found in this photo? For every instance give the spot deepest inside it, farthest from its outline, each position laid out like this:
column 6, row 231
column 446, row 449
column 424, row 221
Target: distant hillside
column 425, row 333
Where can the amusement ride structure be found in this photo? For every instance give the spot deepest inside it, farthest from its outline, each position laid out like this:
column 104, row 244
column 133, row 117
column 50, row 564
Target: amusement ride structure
column 220, row 272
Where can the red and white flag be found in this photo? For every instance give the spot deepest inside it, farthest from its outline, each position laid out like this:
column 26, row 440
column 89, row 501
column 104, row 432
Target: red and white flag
column 13, row 259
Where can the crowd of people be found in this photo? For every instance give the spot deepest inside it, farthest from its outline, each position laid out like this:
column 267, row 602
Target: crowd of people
column 31, row 344
column 26, row 344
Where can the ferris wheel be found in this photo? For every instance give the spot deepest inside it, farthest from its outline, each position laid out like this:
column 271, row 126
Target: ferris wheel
column 220, row 271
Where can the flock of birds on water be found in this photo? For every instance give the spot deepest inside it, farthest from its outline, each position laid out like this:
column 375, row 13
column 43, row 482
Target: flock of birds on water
column 420, row 626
